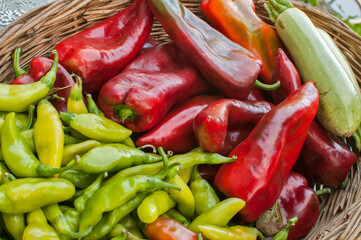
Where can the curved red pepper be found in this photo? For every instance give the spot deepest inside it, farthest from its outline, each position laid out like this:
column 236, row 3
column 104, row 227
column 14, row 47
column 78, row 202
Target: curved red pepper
column 168, row 229
column 226, row 123
column 265, row 158
column 323, row 159
column 228, row 66
column 100, row 52
column 299, row 200
column 149, row 86
column 175, row 131
column 39, row 66
column 238, row 20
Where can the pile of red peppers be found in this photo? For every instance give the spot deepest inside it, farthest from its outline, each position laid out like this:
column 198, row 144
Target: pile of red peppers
column 199, row 89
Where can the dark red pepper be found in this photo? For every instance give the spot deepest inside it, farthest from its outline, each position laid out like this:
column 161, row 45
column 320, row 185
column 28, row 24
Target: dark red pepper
column 100, row 52
column 323, row 158
column 38, row 67
column 142, row 94
column 224, row 124
column 228, row 66
column 175, row 131
column 266, row 157
column 299, row 200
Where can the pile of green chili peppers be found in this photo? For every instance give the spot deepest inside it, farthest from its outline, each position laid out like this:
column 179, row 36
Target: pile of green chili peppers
column 78, row 175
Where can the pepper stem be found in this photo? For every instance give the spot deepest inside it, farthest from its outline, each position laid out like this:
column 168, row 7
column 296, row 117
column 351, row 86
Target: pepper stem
column 123, row 112
column 195, row 174
column 44, row 170
column 66, row 117
column 267, row 87
column 50, row 76
column 16, row 63
column 165, row 172
column 344, row 183
column 357, row 137
column 283, row 234
column 31, row 112
column 323, row 191
column 275, row 7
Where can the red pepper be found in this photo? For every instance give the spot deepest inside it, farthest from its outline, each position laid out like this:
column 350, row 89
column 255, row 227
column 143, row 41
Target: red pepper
column 226, row 123
column 38, row 67
column 175, row 131
column 265, row 158
column 100, row 52
column 168, row 229
column 299, row 200
column 255, row 95
column 228, row 66
column 323, row 158
column 142, row 94
column 238, row 21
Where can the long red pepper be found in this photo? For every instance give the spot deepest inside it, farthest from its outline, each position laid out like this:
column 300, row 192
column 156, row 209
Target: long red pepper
column 142, row 94
column 175, row 131
column 228, row 66
column 225, row 123
column 238, row 20
column 38, row 67
column 266, row 157
column 100, row 52
column 323, row 159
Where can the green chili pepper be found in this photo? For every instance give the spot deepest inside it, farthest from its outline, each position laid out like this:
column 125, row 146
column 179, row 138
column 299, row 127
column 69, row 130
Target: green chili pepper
column 186, row 160
column 155, row 205
column 234, row 232
column 283, row 234
column 96, row 127
column 79, row 203
column 54, row 214
column 31, row 113
column 118, row 193
column 129, row 226
column 18, row 156
column 70, row 151
column 28, row 138
column 72, row 216
column 16, row 63
column 79, row 179
column 111, row 218
column 15, row 224
column 27, row 194
column 113, row 157
column 17, row 98
column 39, row 232
column 75, row 101
column 4, row 171
column 68, row 139
column 219, row 215
column 175, row 215
column 92, row 106
column 204, row 195
column 21, row 120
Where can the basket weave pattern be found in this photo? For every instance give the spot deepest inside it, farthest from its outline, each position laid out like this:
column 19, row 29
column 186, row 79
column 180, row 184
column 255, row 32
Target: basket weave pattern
column 39, row 31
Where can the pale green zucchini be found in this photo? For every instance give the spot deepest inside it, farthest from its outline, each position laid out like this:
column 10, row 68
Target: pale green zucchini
column 319, row 60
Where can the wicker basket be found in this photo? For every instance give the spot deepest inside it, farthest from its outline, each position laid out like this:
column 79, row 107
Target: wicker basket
column 40, row 30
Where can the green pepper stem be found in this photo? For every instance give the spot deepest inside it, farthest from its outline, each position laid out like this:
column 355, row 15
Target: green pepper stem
column 275, row 7
column 54, row 97
column 165, row 172
column 357, row 137
column 16, row 63
column 44, row 170
column 283, row 234
column 31, row 112
column 123, row 112
column 154, row 150
column 344, row 183
column 259, row 234
column 164, row 156
column 267, row 87
column 50, row 76
column 67, row 117
column 195, row 174
column 323, row 191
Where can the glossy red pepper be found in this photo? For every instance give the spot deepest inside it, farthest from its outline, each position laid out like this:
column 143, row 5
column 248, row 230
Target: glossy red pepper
column 224, row 124
column 168, row 229
column 323, row 158
column 38, row 67
column 100, row 52
column 141, row 95
column 238, row 20
column 228, row 66
column 175, row 131
column 299, row 200
column 265, row 158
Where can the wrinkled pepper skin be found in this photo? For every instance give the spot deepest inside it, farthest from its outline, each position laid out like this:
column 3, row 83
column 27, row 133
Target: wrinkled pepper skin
column 299, row 200
column 228, row 66
column 100, row 52
column 226, row 123
column 168, row 229
column 267, row 156
column 239, row 22
column 38, row 67
column 175, row 131
column 323, row 158
column 149, row 86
